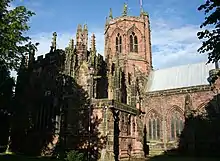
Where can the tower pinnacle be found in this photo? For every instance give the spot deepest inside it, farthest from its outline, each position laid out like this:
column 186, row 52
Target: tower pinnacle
column 110, row 14
column 125, row 9
column 54, row 42
column 71, row 44
column 85, row 27
column 79, row 28
column 93, row 45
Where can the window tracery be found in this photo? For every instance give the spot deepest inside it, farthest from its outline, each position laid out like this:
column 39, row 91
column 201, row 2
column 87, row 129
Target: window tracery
column 154, row 127
column 176, row 125
column 118, row 43
column 133, row 43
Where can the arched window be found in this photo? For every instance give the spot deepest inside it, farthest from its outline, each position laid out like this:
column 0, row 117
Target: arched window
column 133, row 43
column 117, row 48
column 176, row 125
column 154, row 127
column 118, row 43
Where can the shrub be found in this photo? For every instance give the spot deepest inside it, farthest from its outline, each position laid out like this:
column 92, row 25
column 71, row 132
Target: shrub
column 74, row 156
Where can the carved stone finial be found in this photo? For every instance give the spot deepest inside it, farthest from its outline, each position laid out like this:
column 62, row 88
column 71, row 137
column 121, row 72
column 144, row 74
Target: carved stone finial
column 125, row 10
column 110, row 14
column 71, row 44
column 54, row 41
column 79, row 27
column 93, row 44
column 85, row 27
column 106, row 21
column 144, row 13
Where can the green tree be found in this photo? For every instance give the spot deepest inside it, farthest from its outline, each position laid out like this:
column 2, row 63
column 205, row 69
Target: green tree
column 211, row 36
column 13, row 41
column 6, row 95
column 14, row 45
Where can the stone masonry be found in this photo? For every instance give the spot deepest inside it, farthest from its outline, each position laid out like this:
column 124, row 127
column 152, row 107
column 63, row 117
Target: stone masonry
column 133, row 122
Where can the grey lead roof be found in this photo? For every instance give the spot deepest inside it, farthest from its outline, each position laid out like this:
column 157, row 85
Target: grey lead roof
column 179, row 77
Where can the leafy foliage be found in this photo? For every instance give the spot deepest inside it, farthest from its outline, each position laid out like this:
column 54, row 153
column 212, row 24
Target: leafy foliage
column 211, row 37
column 200, row 136
column 6, row 85
column 74, row 156
column 13, row 42
column 6, row 95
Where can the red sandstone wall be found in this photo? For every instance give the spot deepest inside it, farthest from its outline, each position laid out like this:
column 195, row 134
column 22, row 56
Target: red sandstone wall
column 125, row 26
column 165, row 105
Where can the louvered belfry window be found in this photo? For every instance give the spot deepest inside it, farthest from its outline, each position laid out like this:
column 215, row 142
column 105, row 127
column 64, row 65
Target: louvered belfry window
column 118, row 43
column 133, row 43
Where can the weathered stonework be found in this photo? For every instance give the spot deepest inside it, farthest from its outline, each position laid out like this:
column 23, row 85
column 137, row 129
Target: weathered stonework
column 129, row 119
column 165, row 104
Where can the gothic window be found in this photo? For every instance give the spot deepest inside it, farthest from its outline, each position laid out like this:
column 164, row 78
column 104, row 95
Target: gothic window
column 154, row 127
column 176, row 125
column 118, row 43
column 133, row 43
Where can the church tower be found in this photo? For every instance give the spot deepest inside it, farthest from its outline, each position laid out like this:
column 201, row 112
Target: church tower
column 127, row 53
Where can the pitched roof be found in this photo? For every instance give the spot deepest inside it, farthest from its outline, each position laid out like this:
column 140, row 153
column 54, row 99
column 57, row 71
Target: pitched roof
column 179, row 77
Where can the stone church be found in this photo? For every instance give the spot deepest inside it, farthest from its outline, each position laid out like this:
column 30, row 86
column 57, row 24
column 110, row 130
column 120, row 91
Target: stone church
column 141, row 110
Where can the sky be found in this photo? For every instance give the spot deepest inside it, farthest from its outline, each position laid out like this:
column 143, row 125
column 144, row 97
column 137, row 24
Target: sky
column 174, row 25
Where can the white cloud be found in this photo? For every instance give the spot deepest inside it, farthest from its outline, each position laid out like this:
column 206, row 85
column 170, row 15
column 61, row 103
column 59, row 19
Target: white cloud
column 171, row 46
column 174, row 46
column 11, row 7
column 63, row 40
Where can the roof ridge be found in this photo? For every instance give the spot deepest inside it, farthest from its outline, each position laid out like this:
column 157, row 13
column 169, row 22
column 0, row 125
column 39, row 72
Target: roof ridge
column 183, row 65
